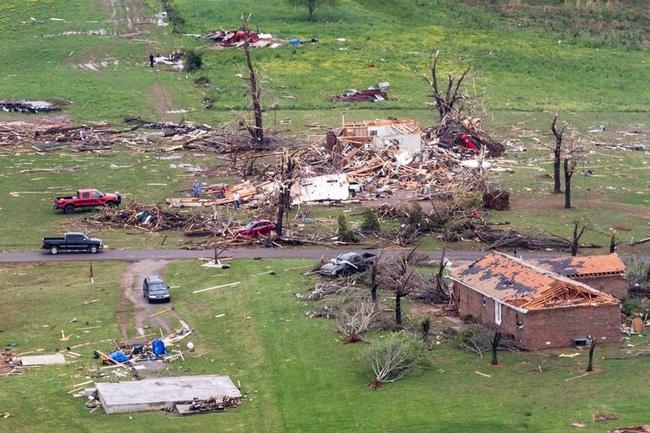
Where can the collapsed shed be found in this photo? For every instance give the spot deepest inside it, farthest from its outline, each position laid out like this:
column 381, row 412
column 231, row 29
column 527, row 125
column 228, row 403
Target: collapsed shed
column 539, row 308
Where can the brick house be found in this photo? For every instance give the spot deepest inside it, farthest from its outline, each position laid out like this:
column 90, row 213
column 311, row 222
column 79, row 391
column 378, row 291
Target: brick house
column 537, row 307
column 602, row 272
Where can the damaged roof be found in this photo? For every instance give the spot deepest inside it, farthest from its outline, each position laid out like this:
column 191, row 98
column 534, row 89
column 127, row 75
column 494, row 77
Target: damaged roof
column 527, row 286
column 584, row 266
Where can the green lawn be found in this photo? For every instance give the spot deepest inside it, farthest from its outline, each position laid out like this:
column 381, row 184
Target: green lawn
column 295, row 374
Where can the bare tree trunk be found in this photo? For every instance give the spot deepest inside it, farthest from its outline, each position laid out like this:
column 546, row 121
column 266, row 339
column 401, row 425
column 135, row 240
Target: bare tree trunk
column 284, row 197
column 257, row 133
column 557, row 154
column 569, row 169
column 612, row 242
column 311, row 7
column 398, row 308
column 592, row 347
column 495, row 347
column 575, row 243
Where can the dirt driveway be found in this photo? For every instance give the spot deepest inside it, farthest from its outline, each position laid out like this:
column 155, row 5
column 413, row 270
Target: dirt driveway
column 131, row 299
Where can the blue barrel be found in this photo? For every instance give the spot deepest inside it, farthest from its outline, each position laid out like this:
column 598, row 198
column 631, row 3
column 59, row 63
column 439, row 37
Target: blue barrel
column 158, row 347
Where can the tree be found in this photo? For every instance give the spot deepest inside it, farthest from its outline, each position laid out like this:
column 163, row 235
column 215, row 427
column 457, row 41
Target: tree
column 575, row 242
column 557, row 154
column 284, row 196
column 311, row 6
column 570, row 164
column 403, row 279
column 396, row 356
column 592, row 347
column 495, row 346
column 354, row 321
column 254, row 91
column 450, row 98
column 571, row 152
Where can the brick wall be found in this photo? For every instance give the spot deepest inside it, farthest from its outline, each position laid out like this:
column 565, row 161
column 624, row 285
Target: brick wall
column 539, row 329
column 615, row 285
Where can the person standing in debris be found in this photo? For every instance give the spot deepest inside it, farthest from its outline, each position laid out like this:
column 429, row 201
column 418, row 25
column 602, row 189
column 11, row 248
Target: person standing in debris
column 151, row 61
column 236, row 200
column 222, row 191
column 196, row 188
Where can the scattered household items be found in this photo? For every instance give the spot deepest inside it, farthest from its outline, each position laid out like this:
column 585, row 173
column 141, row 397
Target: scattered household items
column 599, row 128
column 539, row 308
column 174, row 60
column 347, row 263
column 155, row 289
column 295, row 42
column 256, row 228
column 133, row 352
column 371, row 94
column 72, row 242
column 85, row 199
column 33, row 107
column 194, row 393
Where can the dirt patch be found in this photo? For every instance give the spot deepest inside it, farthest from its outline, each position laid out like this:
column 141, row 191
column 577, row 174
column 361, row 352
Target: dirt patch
column 161, row 99
column 131, row 292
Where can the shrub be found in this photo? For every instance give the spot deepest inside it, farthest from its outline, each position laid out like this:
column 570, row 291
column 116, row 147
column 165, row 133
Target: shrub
column 397, row 355
column 370, row 222
column 344, row 233
column 192, row 61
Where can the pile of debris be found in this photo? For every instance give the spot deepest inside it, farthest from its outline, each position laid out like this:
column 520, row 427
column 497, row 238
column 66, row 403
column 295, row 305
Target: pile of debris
column 9, row 363
column 368, row 95
column 237, row 38
column 33, row 107
column 134, row 351
column 214, row 404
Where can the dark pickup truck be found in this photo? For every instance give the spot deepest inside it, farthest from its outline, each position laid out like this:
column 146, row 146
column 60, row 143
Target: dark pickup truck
column 86, row 198
column 345, row 264
column 72, row 242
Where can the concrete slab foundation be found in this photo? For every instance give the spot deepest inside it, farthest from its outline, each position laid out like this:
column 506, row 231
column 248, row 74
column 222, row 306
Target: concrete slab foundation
column 157, row 393
column 57, row 358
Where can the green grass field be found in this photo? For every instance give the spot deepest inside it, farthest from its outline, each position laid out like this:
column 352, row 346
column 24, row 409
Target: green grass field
column 528, row 59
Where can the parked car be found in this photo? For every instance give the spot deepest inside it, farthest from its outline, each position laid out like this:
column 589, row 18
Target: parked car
column 72, row 242
column 256, row 228
column 86, row 198
column 347, row 263
column 155, row 289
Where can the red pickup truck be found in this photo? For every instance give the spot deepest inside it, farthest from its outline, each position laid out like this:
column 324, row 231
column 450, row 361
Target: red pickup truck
column 86, row 198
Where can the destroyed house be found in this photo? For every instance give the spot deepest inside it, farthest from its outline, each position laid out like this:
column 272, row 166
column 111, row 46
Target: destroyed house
column 605, row 272
column 406, row 134
column 537, row 307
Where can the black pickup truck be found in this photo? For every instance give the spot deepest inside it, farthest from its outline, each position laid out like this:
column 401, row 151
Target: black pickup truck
column 72, row 242
column 345, row 264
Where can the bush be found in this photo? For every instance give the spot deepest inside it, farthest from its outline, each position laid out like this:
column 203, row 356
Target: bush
column 344, row 233
column 398, row 355
column 370, row 222
column 192, row 61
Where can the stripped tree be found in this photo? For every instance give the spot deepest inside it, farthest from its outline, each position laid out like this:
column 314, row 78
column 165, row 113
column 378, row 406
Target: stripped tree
column 353, row 322
column 557, row 154
column 254, row 90
column 449, row 98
